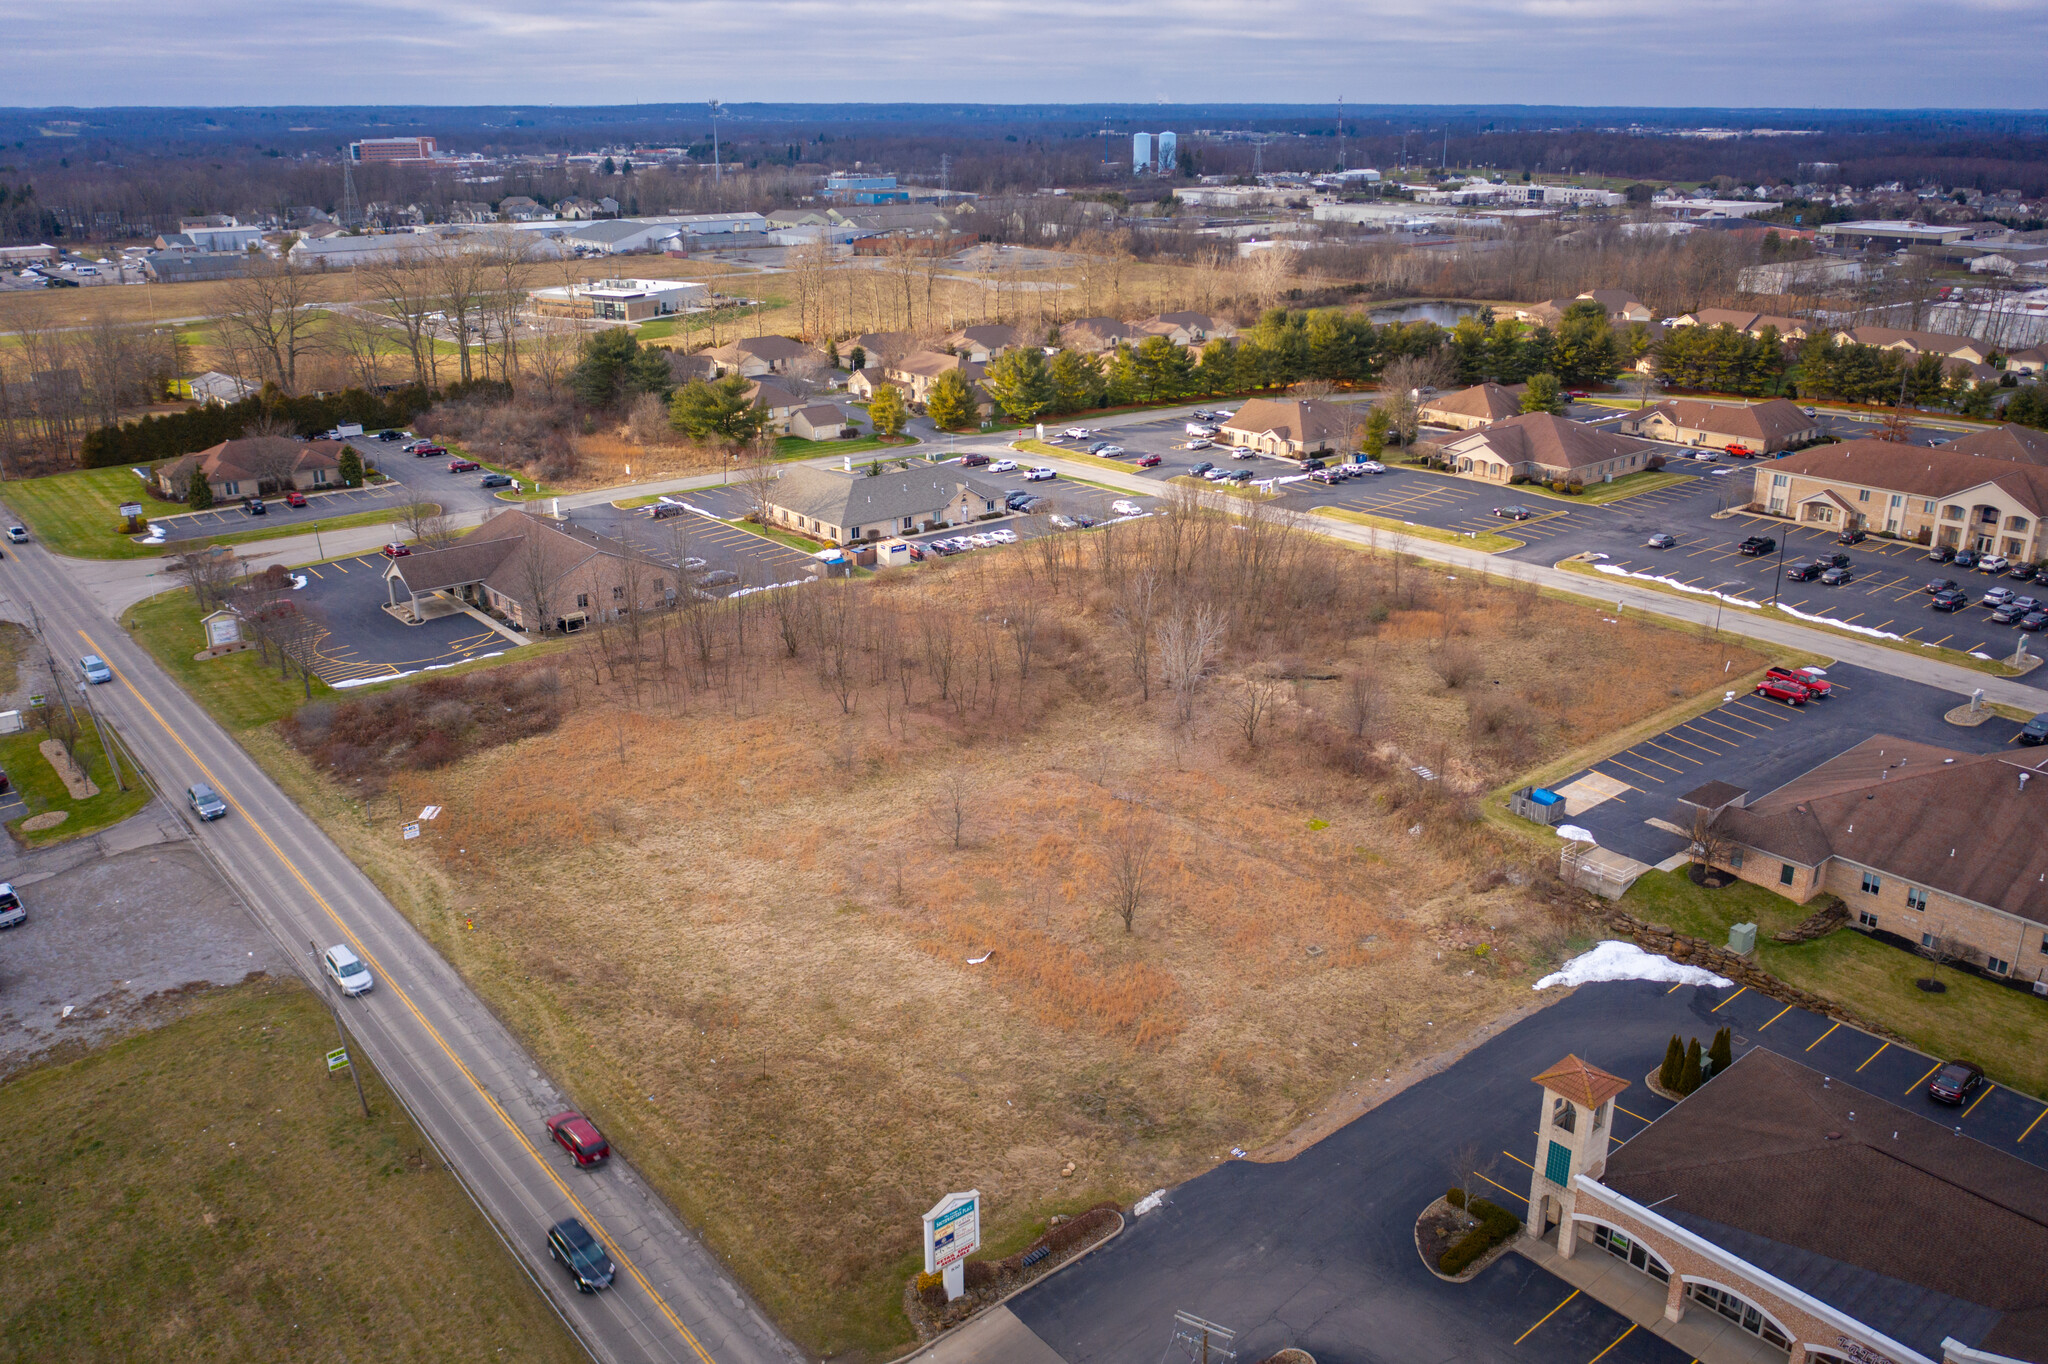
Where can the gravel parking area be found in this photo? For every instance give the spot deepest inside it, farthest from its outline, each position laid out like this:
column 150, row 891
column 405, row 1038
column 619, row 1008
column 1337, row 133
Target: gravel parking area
column 118, row 926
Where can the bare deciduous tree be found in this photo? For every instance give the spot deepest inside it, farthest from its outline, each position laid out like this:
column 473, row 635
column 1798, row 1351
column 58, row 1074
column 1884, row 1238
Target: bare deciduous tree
column 266, row 311
column 1127, row 845
column 954, row 803
column 1188, row 644
column 1134, row 615
column 1252, row 707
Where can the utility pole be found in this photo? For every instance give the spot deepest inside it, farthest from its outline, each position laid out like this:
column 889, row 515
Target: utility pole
column 351, row 211
column 1340, row 132
column 945, row 170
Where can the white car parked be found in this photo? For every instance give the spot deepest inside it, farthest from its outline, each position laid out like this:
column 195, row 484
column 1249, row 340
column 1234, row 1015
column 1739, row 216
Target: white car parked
column 1200, row 429
column 12, row 911
column 1003, row 466
column 1039, row 475
column 1125, row 507
column 1200, row 443
column 1078, row 432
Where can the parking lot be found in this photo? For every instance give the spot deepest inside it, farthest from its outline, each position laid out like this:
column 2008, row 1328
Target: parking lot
column 1628, row 801
column 359, row 641
column 278, row 516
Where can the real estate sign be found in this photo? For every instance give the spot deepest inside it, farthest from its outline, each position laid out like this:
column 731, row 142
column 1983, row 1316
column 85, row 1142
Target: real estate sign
column 952, row 1230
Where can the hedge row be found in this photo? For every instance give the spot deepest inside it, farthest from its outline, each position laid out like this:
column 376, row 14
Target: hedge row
column 1496, row 1224
column 199, row 428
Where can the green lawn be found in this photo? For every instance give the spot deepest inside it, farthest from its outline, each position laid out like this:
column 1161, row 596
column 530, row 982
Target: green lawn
column 1489, row 542
column 1628, row 485
column 43, row 791
column 240, row 691
column 206, row 1191
column 1068, row 452
column 1243, row 490
column 78, row 513
column 796, row 447
column 1997, row 1027
column 780, row 537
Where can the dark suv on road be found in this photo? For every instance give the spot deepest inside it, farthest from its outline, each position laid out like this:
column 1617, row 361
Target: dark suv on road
column 1757, row 544
column 582, row 1254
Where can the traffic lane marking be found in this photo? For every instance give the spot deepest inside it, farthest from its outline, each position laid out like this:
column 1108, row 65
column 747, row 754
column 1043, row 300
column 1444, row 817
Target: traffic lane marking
column 398, row 991
column 1546, row 1317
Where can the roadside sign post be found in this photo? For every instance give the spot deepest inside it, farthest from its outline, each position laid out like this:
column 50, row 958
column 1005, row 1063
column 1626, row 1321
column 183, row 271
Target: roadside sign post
column 952, row 1232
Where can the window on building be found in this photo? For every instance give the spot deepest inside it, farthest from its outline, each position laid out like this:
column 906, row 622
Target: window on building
column 909, row 523
column 1927, row 508
column 1563, row 1116
column 1863, row 495
column 232, row 489
column 661, row 584
column 1927, row 940
column 1781, row 480
column 1866, row 918
column 1898, row 499
column 1735, row 858
column 319, row 477
column 1785, row 874
column 1997, row 966
column 1623, row 1248
column 1742, row 1313
column 618, row 594
column 1952, row 513
column 582, row 601
column 2015, row 523
column 1916, row 898
column 1871, row 883
column 1557, row 1166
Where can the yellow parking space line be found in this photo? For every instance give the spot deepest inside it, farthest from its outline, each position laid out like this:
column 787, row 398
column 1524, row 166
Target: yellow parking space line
column 1676, row 988
column 336, row 566
column 1617, row 1340
column 1851, row 620
column 1519, row 1161
column 1512, row 1193
column 1873, row 1056
column 314, row 571
column 1637, row 1116
column 1975, row 647
column 1943, row 640
column 2031, row 1126
column 1644, row 757
column 1923, row 1079
column 1980, row 1099
column 1546, row 1317
column 1693, row 743
column 1778, row 1015
column 1646, row 776
column 1730, row 1000
column 1682, row 757
column 1738, row 733
column 1822, row 1038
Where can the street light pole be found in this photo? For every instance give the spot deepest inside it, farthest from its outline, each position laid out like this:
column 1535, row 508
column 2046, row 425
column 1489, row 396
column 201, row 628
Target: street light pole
column 1779, row 576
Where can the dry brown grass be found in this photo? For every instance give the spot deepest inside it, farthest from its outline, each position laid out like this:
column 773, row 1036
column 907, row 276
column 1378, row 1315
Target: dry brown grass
column 718, row 904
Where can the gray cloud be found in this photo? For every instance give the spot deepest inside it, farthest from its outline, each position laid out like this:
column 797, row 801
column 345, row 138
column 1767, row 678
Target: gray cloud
column 1805, row 53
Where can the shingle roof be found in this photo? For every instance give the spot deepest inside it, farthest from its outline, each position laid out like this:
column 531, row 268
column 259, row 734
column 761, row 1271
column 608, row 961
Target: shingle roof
column 234, row 460
column 1762, row 422
column 1551, row 441
column 1919, row 470
column 1941, row 343
column 1973, row 825
column 774, row 349
column 1490, row 401
column 2005, row 442
column 1778, row 1151
column 1307, row 421
column 1713, row 795
column 844, row 500
column 1581, row 1083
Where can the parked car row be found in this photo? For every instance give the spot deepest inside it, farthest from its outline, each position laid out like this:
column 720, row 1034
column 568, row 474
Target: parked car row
column 1793, row 686
column 1993, row 565
column 960, row 544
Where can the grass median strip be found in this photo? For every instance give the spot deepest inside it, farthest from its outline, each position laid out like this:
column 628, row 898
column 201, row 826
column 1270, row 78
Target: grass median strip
column 206, row 1190
column 1599, row 494
column 1489, row 542
column 239, row 689
column 1243, row 490
column 1072, row 455
column 44, row 792
column 1762, row 610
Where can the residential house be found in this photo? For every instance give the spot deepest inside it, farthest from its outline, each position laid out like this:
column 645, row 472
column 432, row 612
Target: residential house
column 1919, row 342
column 535, row 573
column 818, row 421
column 827, row 504
column 1621, row 306
column 1478, row 405
column 862, row 384
column 1186, row 329
column 519, row 208
column 778, row 402
column 2004, row 442
column 1546, row 449
column 754, row 356
column 2030, row 361
column 1933, row 496
column 1744, row 321
column 1762, row 428
column 576, row 209
column 1922, row 842
column 1779, row 1213
column 257, row 465
column 982, row 343
column 1293, row 426
column 468, row 211
column 691, row 366
column 878, row 347
column 1094, row 335
column 919, row 370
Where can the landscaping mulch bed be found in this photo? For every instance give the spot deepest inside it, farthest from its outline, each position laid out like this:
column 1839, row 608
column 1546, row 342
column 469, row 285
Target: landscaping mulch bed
column 1439, row 1228
column 989, row 1282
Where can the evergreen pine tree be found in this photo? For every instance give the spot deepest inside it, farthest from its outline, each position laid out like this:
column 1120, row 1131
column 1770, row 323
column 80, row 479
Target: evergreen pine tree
column 199, row 494
column 1722, row 1052
column 1689, row 1077
column 1674, row 1063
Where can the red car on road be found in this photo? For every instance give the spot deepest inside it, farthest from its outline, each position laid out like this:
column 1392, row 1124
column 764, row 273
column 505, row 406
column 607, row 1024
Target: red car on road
column 1149, row 462
column 579, row 1136
column 463, row 466
column 1799, row 677
column 1791, row 693
column 396, row 551
column 1739, row 452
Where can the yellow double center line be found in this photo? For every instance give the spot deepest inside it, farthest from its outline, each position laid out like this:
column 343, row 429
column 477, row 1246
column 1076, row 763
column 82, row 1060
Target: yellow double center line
column 405, row 999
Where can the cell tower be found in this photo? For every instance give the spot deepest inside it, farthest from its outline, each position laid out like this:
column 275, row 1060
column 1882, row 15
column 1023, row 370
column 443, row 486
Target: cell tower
column 1340, row 133
column 351, row 210
column 945, row 170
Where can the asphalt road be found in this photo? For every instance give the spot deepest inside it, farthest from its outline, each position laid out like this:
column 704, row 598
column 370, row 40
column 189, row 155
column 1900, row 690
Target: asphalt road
column 470, row 1084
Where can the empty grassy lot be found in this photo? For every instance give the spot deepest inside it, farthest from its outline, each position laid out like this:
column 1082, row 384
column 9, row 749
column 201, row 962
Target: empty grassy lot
column 206, row 1191
column 1997, row 1027
column 43, row 790
column 1487, row 542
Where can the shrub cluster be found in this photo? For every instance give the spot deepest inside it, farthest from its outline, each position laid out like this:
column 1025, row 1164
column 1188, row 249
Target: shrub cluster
column 1496, row 1224
column 201, row 428
column 1456, row 1198
column 527, row 433
column 428, row 725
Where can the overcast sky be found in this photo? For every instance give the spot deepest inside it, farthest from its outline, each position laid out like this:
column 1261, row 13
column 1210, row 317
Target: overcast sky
column 1711, row 53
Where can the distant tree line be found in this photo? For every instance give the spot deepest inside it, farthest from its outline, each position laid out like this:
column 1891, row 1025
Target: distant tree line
column 199, row 428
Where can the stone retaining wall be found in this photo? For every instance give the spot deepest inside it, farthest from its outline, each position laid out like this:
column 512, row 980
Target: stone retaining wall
column 1697, row 952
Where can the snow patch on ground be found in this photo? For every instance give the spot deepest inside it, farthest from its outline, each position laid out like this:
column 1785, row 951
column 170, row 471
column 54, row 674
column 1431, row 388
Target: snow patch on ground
column 1625, row 961
column 1839, row 624
column 1620, row 572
